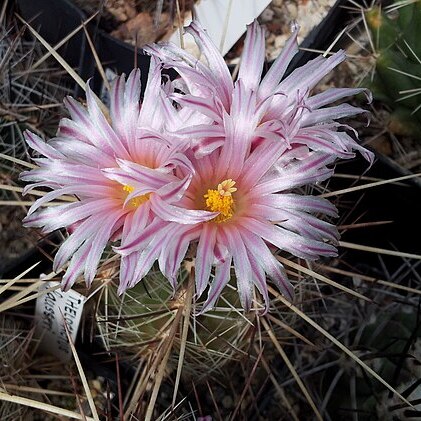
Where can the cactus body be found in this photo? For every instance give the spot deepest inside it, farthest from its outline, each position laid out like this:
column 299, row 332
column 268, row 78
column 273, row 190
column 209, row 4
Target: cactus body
column 397, row 79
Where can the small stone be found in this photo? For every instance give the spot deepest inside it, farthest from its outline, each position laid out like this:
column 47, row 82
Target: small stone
column 279, row 11
column 142, row 28
column 292, row 10
column 278, row 3
column 267, row 15
column 280, row 41
column 271, row 39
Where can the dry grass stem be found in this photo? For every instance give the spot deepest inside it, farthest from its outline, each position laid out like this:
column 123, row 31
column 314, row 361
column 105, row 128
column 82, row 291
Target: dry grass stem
column 291, row 369
column 82, row 375
column 369, row 185
column 379, row 250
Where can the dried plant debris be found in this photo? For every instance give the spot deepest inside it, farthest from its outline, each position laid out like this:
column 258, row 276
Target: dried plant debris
column 13, row 239
column 14, row 340
column 146, row 21
column 39, row 387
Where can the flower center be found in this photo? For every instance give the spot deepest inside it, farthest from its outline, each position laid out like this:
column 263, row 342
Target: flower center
column 136, row 201
column 221, row 200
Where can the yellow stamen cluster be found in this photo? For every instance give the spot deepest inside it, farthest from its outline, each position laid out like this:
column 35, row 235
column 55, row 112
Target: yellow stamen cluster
column 136, row 201
column 221, row 200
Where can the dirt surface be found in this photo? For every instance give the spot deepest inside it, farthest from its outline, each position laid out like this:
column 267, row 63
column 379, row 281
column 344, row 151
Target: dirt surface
column 145, row 21
column 137, row 21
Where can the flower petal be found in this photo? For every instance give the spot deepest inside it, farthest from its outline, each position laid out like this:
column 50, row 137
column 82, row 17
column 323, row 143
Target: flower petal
column 253, row 56
column 173, row 213
column 76, row 266
column 308, row 171
column 204, row 257
column 104, row 231
column 330, row 113
column 215, row 60
column 310, row 204
column 334, row 94
column 289, row 241
column 42, row 147
column 241, row 266
column 141, row 239
column 268, row 262
column 221, row 279
column 278, row 68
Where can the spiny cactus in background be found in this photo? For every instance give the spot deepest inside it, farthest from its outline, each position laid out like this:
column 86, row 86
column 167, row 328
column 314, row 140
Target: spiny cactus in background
column 396, row 34
column 387, row 337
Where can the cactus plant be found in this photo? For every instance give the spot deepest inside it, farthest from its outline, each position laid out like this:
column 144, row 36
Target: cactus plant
column 397, row 79
column 138, row 324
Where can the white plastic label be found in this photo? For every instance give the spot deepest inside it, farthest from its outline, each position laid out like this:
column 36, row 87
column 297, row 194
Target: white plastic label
column 224, row 20
column 54, row 310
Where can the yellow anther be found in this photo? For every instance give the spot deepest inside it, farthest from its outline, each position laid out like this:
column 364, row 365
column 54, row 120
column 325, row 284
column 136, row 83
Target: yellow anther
column 221, row 200
column 136, row 201
column 226, row 188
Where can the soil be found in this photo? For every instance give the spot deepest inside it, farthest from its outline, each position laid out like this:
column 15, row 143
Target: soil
column 144, row 21
column 137, row 21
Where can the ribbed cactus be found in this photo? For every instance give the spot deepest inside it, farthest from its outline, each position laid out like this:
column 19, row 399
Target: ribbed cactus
column 397, row 80
column 138, row 323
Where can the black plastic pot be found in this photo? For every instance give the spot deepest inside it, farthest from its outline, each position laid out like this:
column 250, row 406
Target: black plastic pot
column 54, row 20
column 39, row 254
column 397, row 202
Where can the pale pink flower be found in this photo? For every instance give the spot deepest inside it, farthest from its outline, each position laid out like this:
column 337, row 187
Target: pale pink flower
column 283, row 110
column 84, row 161
column 249, row 192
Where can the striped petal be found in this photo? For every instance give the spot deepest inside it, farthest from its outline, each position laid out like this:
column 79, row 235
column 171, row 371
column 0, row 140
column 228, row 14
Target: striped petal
column 204, row 257
column 278, row 68
column 253, row 56
column 221, row 279
column 242, row 266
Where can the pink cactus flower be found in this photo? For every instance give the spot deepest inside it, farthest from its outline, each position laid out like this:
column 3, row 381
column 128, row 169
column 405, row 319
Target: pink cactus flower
column 283, row 110
column 84, row 161
column 243, row 197
column 215, row 175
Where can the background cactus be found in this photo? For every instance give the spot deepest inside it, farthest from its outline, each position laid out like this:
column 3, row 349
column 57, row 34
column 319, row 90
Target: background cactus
column 395, row 34
column 386, row 336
